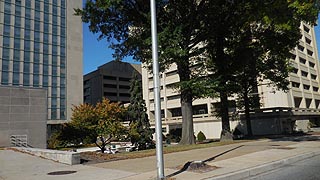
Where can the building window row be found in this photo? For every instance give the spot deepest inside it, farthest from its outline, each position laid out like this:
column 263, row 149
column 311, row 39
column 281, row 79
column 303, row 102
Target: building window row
column 110, row 86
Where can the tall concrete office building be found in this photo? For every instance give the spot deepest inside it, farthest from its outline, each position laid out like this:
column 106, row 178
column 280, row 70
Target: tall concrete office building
column 40, row 48
column 303, row 95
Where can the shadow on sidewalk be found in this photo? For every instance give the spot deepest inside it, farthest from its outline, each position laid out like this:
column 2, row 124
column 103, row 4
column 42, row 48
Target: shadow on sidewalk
column 186, row 165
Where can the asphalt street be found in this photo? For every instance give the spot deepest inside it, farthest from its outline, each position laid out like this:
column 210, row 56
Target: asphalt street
column 307, row 169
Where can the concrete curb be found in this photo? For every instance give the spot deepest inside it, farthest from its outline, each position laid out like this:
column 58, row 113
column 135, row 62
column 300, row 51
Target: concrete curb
column 245, row 173
column 64, row 157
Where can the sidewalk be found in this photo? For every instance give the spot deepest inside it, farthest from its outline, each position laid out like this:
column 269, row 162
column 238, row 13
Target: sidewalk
column 247, row 160
column 233, row 161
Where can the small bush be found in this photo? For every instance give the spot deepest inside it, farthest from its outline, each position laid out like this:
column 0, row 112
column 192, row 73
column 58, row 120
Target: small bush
column 53, row 141
column 201, row 137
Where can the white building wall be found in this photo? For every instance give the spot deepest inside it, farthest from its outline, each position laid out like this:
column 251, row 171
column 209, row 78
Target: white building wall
column 303, row 93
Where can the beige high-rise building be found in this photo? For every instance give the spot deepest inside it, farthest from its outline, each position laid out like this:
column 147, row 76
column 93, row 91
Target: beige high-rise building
column 303, row 93
column 41, row 48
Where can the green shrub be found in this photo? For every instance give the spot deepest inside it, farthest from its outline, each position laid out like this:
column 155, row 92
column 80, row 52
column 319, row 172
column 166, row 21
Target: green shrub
column 53, row 141
column 201, row 137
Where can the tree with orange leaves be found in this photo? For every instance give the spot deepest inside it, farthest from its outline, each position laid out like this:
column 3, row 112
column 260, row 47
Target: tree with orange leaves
column 98, row 124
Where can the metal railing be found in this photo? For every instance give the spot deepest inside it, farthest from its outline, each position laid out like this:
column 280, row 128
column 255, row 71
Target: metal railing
column 19, row 140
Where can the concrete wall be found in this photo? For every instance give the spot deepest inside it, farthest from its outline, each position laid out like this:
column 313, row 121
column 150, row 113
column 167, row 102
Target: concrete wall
column 65, row 157
column 74, row 76
column 23, row 111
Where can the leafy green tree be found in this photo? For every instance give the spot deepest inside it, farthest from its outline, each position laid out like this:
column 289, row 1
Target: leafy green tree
column 128, row 24
column 250, row 40
column 139, row 128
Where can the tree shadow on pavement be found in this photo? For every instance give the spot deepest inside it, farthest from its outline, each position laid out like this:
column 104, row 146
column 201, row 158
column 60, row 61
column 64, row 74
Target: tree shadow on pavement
column 186, row 165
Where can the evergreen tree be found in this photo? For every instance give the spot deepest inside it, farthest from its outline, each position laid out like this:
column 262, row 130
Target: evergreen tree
column 139, row 132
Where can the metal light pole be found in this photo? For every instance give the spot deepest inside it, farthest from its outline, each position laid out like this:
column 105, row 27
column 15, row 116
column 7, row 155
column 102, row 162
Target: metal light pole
column 156, row 90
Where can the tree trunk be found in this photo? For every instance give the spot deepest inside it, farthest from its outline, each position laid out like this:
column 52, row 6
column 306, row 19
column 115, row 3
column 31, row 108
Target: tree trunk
column 225, row 133
column 247, row 113
column 187, row 136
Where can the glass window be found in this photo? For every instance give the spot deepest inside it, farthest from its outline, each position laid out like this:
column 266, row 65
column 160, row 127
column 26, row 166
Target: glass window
column 27, row 45
column 46, row 18
column 46, row 8
column 45, row 80
column 27, row 34
column 63, row 12
column 28, row 3
column 36, row 47
column 27, row 24
column 37, row 36
column 37, row 15
column 6, row 53
column 36, row 57
column 62, row 102
column 46, row 38
column 17, row 21
column 36, row 25
column 54, row 39
column 26, row 56
column 45, row 69
column 7, row 30
column 6, row 41
column 7, row 19
column 62, row 92
column 53, row 113
column 27, row 12
column 45, row 49
column 63, row 21
column 54, row 81
column 62, row 72
column 62, row 41
column 16, row 77
column 54, row 10
column 16, row 66
column 62, row 61
column 46, row 59
column 63, row 31
column 55, row 50
column 62, row 82
column 62, row 51
column 18, row 8
column 54, row 20
column 36, row 69
column 54, row 60
column 16, row 43
column 26, row 79
column 16, row 55
column 62, row 114
column 4, row 78
column 37, row 5
column 36, row 80
column 17, row 32
column 54, row 94
column 26, row 67
column 5, row 65
column 7, row 7
column 54, row 70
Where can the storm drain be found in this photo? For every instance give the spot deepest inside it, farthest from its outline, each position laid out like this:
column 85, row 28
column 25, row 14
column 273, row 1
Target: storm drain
column 61, row 172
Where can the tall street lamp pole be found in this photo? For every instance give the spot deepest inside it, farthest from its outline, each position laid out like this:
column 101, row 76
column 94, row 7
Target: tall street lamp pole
column 156, row 90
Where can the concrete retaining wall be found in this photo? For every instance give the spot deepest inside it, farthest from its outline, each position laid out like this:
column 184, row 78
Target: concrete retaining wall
column 23, row 112
column 64, row 157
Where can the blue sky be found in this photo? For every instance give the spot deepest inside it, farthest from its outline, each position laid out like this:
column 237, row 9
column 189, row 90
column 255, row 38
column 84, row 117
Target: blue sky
column 96, row 53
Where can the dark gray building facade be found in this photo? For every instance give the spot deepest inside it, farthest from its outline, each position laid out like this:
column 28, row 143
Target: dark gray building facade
column 111, row 80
